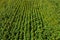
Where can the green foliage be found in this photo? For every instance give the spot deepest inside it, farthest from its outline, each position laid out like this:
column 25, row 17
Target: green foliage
column 29, row 19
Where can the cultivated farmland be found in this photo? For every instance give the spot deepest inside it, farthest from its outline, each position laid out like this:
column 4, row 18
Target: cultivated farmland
column 29, row 19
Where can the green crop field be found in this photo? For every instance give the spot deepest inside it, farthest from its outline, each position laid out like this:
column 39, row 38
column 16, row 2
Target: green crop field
column 29, row 19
